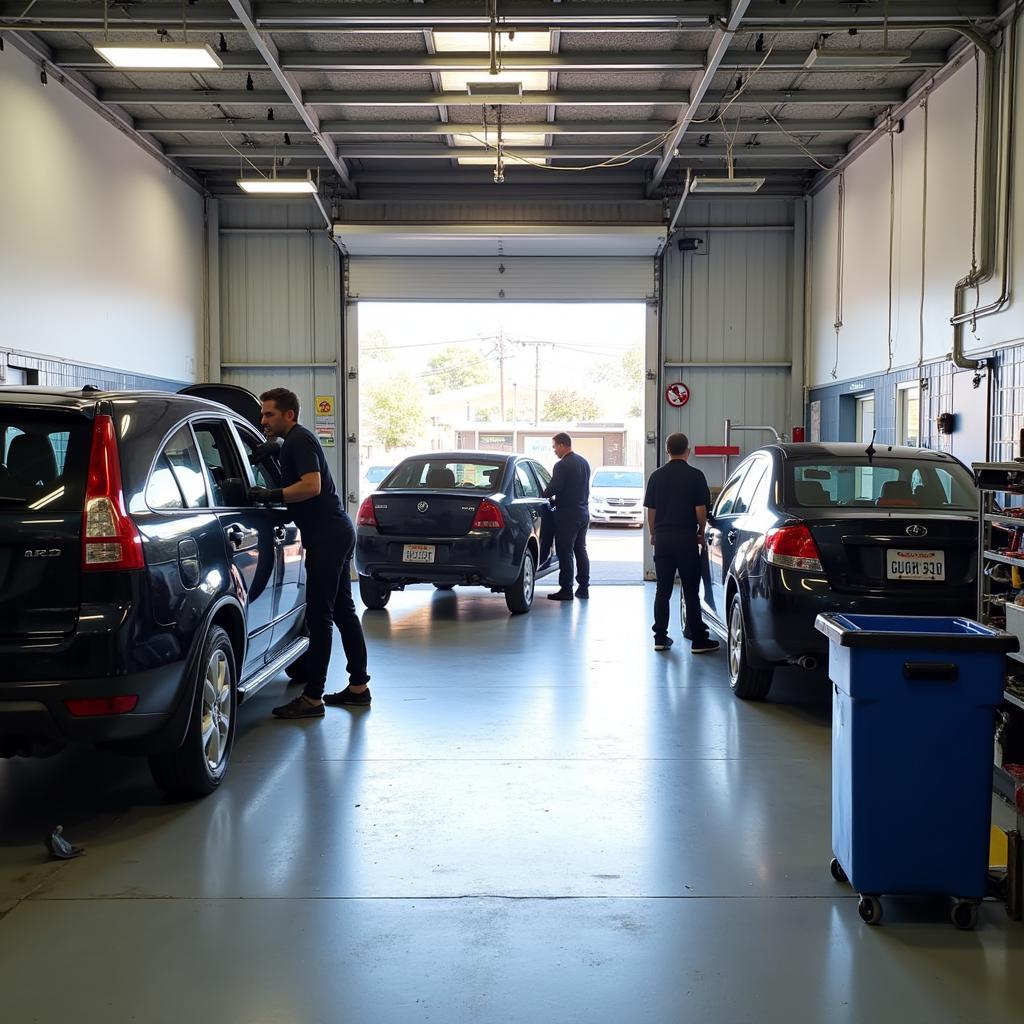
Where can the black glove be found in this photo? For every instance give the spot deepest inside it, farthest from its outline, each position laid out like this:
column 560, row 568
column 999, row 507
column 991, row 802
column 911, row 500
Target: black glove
column 266, row 450
column 266, row 495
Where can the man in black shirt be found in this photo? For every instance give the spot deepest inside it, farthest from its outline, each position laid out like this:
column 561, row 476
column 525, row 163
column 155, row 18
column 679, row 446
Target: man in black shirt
column 677, row 500
column 570, row 488
column 329, row 539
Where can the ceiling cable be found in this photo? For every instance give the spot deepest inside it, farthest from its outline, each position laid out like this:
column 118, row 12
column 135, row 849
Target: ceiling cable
column 892, row 231
column 840, row 250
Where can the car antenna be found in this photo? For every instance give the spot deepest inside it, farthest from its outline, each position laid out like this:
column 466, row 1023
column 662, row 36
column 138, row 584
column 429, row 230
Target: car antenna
column 871, row 447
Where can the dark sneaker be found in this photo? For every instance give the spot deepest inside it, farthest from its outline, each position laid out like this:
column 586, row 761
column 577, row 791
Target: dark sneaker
column 346, row 698
column 583, row 593
column 707, row 646
column 662, row 643
column 560, row 595
column 299, row 708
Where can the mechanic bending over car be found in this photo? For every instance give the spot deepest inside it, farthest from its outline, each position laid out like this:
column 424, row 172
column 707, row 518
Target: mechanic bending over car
column 329, row 540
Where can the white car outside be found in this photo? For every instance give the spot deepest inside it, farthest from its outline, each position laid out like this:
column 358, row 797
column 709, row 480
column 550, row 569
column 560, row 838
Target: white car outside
column 617, row 495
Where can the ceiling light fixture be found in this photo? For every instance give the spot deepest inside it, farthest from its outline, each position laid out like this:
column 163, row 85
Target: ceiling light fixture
column 495, row 88
column 821, row 58
column 726, row 186
column 277, row 186
column 160, row 56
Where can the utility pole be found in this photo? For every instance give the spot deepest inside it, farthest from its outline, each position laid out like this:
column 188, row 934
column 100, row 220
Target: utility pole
column 536, row 373
column 501, row 364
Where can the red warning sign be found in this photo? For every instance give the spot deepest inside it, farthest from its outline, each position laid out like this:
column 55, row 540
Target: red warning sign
column 677, row 395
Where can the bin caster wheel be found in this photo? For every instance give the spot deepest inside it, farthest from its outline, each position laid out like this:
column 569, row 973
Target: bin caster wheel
column 837, row 871
column 870, row 909
column 965, row 915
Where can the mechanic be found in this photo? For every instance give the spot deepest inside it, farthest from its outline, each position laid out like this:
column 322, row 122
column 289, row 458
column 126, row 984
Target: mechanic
column 329, row 540
column 570, row 488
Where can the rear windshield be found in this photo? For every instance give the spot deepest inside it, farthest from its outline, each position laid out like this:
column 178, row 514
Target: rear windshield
column 617, row 478
column 882, row 483
column 439, row 474
column 43, row 460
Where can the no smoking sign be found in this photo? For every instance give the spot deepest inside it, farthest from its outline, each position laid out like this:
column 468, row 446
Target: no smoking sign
column 677, row 395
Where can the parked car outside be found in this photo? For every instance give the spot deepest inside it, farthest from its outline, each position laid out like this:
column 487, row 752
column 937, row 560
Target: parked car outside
column 800, row 529
column 456, row 518
column 617, row 495
column 372, row 476
column 143, row 597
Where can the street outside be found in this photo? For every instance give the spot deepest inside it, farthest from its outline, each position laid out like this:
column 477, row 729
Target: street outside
column 616, row 555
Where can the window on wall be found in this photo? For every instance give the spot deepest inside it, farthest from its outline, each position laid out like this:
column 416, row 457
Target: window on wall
column 908, row 415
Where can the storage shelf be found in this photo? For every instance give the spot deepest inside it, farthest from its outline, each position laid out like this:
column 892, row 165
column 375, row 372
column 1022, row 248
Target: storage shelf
column 995, row 517
column 994, row 556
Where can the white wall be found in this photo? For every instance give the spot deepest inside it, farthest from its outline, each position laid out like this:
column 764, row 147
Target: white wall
column 939, row 234
column 101, row 247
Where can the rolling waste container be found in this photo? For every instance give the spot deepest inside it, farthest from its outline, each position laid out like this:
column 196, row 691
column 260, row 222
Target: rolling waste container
column 913, row 719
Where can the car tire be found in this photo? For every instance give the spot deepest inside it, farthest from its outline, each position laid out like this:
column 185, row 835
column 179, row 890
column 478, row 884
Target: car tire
column 747, row 681
column 199, row 765
column 444, row 586
column 373, row 594
column 519, row 597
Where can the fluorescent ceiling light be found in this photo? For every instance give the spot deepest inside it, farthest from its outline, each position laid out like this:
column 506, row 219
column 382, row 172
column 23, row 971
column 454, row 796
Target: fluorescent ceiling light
column 511, row 90
column 726, row 185
column 160, row 57
column 480, row 42
column 510, row 137
column 529, row 81
column 822, row 58
column 277, row 186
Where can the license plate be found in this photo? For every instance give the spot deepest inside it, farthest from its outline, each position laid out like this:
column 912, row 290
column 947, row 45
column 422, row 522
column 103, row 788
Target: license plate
column 418, row 553
column 915, row 565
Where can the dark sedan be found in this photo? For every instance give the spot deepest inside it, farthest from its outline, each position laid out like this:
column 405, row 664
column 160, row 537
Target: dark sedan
column 456, row 518
column 800, row 529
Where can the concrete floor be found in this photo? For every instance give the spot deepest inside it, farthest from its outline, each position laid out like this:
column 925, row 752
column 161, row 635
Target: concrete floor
column 540, row 820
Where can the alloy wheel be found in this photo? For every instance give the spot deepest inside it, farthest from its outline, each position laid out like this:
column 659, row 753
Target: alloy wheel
column 528, row 579
column 216, row 709
column 735, row 640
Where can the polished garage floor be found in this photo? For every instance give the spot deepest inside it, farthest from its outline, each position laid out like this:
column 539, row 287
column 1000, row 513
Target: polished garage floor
column 540, row 820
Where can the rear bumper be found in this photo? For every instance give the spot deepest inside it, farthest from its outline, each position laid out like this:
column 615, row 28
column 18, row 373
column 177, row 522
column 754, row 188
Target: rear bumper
column 481, row 557
column 35, row 719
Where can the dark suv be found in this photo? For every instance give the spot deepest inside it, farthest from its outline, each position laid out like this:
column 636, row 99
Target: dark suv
column 142, row 597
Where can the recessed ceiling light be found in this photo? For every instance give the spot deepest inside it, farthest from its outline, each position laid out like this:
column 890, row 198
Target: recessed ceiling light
column 726, row 185
column 277, row 186
column 821, row 58
column 160, row 56
column 480, row 42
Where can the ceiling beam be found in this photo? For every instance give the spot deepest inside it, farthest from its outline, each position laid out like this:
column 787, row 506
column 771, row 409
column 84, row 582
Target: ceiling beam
column 716, row 52
column 580, row 60
column 268, row 51
column 260, row 126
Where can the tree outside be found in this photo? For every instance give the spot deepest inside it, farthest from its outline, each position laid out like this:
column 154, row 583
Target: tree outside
column 395, row 412
column 454, row 368
column 569, row 406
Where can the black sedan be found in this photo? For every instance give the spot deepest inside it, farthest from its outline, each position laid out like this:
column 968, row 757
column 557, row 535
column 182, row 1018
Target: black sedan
column 800, row 529
column 453, row 518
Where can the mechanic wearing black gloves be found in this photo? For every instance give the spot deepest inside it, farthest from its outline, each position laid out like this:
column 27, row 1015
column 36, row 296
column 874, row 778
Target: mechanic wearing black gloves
column 329, row 540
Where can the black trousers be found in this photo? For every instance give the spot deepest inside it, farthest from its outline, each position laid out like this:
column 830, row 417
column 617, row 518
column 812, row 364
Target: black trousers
column 328, row 604
column 677, row 552
column 571, row 544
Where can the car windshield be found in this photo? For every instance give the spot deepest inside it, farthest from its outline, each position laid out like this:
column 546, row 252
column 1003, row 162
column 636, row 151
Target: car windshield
column 617, row 478
column 882, row 483
column 441, row 474
column 375, row 474
column 43, row 460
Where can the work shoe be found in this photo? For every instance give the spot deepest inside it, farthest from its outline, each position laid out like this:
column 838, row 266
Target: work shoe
column 662, row 643
column 299, row 708
column 560, row 595
column 583, row 593
column 704, row 646
column 346, row 698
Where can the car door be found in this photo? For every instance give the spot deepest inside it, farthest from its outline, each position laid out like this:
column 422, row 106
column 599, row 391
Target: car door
column 546, row 535
column 248, row 532
column 747, row 513
column 719, row 546
column 291, row 574
column 527, row 496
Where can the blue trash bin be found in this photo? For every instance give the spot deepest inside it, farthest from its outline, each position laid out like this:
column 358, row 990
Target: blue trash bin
column 913, row 719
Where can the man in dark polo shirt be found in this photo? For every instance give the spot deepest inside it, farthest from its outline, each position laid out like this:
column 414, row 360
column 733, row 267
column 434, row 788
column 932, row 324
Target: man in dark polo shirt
column 570, row 489
column 329, row 539
column 677, row 500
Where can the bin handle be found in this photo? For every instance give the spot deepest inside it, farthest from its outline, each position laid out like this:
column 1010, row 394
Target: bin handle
column 931, row 671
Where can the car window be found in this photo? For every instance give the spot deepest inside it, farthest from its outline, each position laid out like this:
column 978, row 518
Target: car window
column 443, row 474
column 182, row 457
column 726, row 500
column 162, row 491
column 526, row 486
column 43, row 459
column 882, row 483
column 543, row 476
column 266, row 472
column 219, row 456
column 745, row 496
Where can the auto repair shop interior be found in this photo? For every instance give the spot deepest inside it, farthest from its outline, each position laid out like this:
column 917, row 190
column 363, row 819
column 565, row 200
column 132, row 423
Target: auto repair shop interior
column 813, row 208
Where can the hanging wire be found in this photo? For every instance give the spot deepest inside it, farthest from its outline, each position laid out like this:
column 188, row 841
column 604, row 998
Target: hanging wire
column 974, row 205
column 892, row 230
column 242, row 156
column 924, row 232
column 792, row 138
column 840, row 260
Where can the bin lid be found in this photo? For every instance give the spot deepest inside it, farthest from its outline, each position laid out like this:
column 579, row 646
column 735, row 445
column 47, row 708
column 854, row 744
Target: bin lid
column 898, row 632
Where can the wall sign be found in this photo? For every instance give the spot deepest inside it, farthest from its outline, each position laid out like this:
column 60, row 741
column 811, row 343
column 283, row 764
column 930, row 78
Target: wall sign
column 677, row 395
column 324, row 424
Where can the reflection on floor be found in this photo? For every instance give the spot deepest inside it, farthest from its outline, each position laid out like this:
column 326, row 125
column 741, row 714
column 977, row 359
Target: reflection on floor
column 539, row 820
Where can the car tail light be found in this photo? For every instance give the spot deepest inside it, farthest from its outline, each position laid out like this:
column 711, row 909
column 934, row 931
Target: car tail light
column 792, row 547
column 488, row 517
column 367, row 516
column 87, row 707
column 110, row 540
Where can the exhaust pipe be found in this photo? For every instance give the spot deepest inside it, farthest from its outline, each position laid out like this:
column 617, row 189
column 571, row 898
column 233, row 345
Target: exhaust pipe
column 808, row 662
